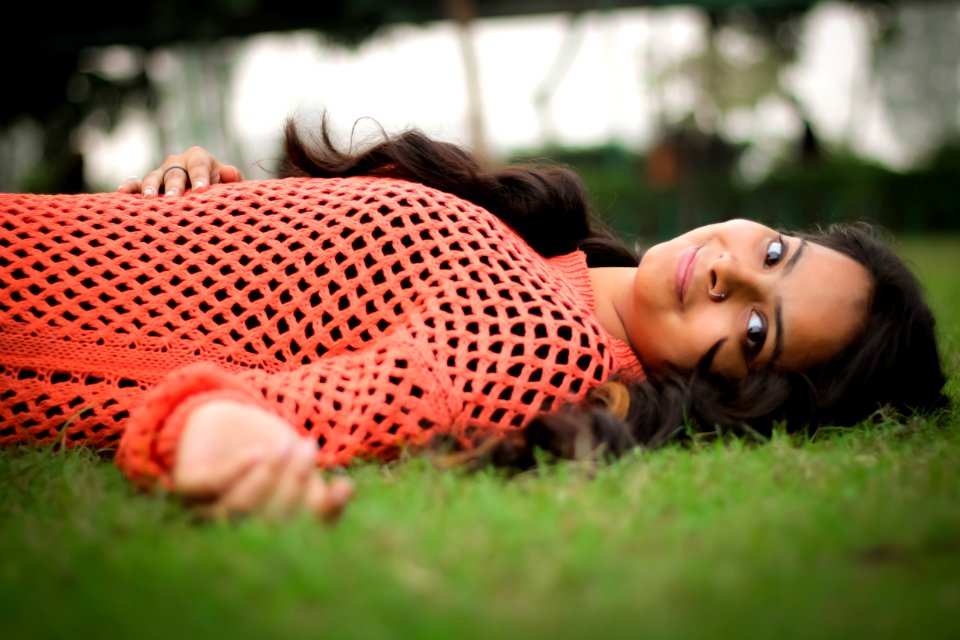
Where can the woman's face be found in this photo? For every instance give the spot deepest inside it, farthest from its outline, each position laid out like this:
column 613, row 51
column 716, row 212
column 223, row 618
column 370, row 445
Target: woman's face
column 760, row 298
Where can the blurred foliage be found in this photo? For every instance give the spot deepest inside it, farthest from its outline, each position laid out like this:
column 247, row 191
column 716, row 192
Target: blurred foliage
column 68, row 98
column 795, row 196
column 741, row 64
column 57, row 97
column 915, row 65
column 689, row 177
column 691, row 174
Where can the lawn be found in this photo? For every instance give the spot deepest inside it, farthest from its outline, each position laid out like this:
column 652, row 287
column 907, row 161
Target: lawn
column 850, row 534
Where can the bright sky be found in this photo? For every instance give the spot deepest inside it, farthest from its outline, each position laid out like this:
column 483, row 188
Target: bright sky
column 414, row 76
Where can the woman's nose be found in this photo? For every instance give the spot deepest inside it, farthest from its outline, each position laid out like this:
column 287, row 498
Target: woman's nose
column 730, row 278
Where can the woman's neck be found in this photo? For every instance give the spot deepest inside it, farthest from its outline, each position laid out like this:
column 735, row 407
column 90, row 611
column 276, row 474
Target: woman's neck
column 613, row 292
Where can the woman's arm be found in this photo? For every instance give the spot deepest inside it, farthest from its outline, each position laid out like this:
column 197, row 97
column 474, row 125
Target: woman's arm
column 196, row 168
column 233, row 440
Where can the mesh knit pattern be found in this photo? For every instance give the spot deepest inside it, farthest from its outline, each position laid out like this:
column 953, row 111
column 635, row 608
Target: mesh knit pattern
column 371, row 313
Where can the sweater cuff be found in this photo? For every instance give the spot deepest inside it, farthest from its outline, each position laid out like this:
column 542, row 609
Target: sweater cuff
column 148, row 447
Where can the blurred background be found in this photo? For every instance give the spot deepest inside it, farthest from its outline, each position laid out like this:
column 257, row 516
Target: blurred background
column 677, row 114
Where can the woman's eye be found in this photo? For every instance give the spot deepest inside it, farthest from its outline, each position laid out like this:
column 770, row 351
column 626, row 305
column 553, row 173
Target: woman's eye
column 774, row 252
column 756, row 333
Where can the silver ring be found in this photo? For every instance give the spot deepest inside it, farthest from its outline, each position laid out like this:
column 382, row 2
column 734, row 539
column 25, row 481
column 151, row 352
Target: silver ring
column 133, row 177
column 716, row 296
column 163, row 176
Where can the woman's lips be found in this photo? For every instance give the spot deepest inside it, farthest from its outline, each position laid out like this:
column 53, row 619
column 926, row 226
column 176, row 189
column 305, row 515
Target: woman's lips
column 685, row 271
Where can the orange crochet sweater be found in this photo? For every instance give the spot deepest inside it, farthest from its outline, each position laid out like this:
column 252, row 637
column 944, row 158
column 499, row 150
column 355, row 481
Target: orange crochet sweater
column 368, row 312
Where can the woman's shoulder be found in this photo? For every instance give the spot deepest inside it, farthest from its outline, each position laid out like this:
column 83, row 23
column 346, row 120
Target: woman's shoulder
column 366, row 188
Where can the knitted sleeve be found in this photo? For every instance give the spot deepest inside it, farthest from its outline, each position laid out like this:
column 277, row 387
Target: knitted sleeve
column 366, row 403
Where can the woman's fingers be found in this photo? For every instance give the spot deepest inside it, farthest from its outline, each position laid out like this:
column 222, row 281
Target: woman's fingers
column 284, row 485
column 201, row 167
column 175, row 179
column 252, row 490
column 328, row 501
column 171, row 178
column 280, row 487
column 291, row 487
column 204, row 482
column 229, row 173
column 196, row 168
column 150, row 185
column 235, row 459
column 130, row 185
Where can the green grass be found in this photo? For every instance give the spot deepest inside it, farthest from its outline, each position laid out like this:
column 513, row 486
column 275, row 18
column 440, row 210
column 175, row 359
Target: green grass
column 850, row 534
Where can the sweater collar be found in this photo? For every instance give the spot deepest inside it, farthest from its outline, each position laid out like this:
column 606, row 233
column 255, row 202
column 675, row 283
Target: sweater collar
column 573, row 268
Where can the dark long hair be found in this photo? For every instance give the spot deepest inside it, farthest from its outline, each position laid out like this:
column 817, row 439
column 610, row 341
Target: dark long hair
column 547, row 206
column 893, row 363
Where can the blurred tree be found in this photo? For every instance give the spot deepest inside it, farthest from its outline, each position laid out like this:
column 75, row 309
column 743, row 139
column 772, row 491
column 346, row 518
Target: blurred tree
column 739, row 68
column 562, row 61
column 60, row 89
column 57, row 95
column 916, row 60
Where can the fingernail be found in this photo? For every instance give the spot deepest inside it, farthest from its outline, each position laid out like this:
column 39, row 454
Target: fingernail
column 147, row 192
column 170, row 192
column 199, row 184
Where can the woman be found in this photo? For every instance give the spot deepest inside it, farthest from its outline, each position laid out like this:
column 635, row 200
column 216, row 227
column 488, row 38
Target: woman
column 237, row 338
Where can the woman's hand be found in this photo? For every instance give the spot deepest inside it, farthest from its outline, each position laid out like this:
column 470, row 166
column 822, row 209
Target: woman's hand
column 235, row 458
column 194, row 169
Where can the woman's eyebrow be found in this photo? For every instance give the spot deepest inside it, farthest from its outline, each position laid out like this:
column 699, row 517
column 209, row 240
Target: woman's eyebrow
column 778, row 303
column 706, row 361
column 778, row 306
column 778, row 321
column 791, row 263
